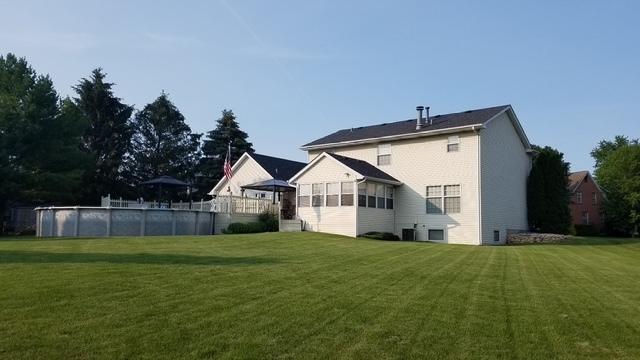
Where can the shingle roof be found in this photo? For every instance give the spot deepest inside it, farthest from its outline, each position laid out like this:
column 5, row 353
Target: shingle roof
column 364, row 168
column 278, row 168
column 576, row 178
column 440, row 122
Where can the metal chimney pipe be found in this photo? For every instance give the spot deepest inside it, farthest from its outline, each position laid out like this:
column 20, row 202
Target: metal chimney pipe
column 429, row 117
column 419, row 118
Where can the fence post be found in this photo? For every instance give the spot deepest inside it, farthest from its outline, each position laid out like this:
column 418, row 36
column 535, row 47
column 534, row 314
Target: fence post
column 143, row 221
column 76, row 230
column 108, row 222
column 173, row 222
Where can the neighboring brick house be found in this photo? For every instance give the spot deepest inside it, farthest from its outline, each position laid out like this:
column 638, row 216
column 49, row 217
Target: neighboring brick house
column 586, row 197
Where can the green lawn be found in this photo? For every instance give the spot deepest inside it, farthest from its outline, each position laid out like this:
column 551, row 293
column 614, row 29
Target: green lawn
column 311, row 295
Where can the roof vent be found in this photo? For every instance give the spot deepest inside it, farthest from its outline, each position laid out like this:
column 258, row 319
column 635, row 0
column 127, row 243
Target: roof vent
column 419, row 109
column 429, row 117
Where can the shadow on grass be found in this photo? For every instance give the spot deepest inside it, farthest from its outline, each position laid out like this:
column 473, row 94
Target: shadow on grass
column 588, row 241
column 41, row 257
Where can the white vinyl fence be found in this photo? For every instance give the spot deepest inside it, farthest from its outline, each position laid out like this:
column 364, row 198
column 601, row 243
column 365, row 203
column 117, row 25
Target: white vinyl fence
column 223, row 204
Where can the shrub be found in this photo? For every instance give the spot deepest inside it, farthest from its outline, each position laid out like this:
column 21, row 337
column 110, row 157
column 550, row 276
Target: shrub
column 270, row 220
column 377, row 235
column 245, row 228
column 586, row 230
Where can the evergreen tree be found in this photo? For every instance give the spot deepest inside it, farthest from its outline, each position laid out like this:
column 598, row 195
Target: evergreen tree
column 107, row 137
column 163, row 143
column 40, row 153
column 215, row 146
column 548, row 195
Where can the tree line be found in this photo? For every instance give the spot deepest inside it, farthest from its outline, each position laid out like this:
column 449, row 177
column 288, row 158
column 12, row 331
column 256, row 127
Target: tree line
column 72, row 150
column 617, row 170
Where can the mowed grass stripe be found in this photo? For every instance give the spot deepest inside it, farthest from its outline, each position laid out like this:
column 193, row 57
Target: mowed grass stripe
column 316, row 296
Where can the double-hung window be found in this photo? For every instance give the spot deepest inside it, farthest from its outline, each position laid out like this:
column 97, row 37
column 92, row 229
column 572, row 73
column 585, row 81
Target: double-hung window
column 317, row 198
column 451, row 199
column 389, row 197
column 362, row 195
column 333, row 193
column 443, row 199
column 384, row 154
column 304, row 193
column 346, row 197
column 453, row 143
column 371, row 195
column 380, row 196
column 434, row 199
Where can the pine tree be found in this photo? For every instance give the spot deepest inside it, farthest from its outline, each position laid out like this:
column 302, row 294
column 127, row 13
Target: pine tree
column 40, row 154
column 215, row 146
column 163, row 143
column 548, row 193
column 107, row 138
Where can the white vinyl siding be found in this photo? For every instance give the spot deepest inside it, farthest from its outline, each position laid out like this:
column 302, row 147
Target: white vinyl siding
column 247, row 172
column 418, row 163
column 505, row 167
column 330, row 219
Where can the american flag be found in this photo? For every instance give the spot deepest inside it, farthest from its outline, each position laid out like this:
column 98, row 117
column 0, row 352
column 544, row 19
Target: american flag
column 228, row 172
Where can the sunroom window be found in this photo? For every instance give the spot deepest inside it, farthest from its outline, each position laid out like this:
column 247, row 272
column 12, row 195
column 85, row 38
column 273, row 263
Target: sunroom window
column 304, row 193
column 346, row 198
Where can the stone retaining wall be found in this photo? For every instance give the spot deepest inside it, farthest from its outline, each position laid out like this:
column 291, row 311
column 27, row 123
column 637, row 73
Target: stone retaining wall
column 535, row 238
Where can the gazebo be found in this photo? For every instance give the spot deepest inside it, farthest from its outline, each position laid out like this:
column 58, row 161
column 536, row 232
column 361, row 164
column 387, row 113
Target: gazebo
column 166, row 181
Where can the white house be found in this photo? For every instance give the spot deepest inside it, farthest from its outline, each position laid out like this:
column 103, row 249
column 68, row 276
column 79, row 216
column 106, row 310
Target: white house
column 254, row 169
column 456, row 178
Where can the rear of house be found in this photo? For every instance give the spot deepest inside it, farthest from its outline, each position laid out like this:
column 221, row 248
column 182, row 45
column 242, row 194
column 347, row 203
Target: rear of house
column 586, row 199
column 455, row 178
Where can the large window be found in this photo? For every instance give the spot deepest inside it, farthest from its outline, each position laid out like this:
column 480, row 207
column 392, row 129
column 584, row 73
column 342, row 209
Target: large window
column 304, row 193
column 384, row 154
column 380, row 196
column 362, row 194
column 347, row 194
column 371, row 195
column 452, row 199
column 333, row 194
column 317, row 197
column 579, row 198
column 434, row 199
column 389, row 197
column 443, row 199
column 453, row 143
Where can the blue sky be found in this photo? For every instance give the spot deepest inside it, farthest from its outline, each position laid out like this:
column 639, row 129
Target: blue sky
column 296, row 70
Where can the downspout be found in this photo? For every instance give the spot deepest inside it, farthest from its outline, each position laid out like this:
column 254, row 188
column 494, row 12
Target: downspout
column 477, row 131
